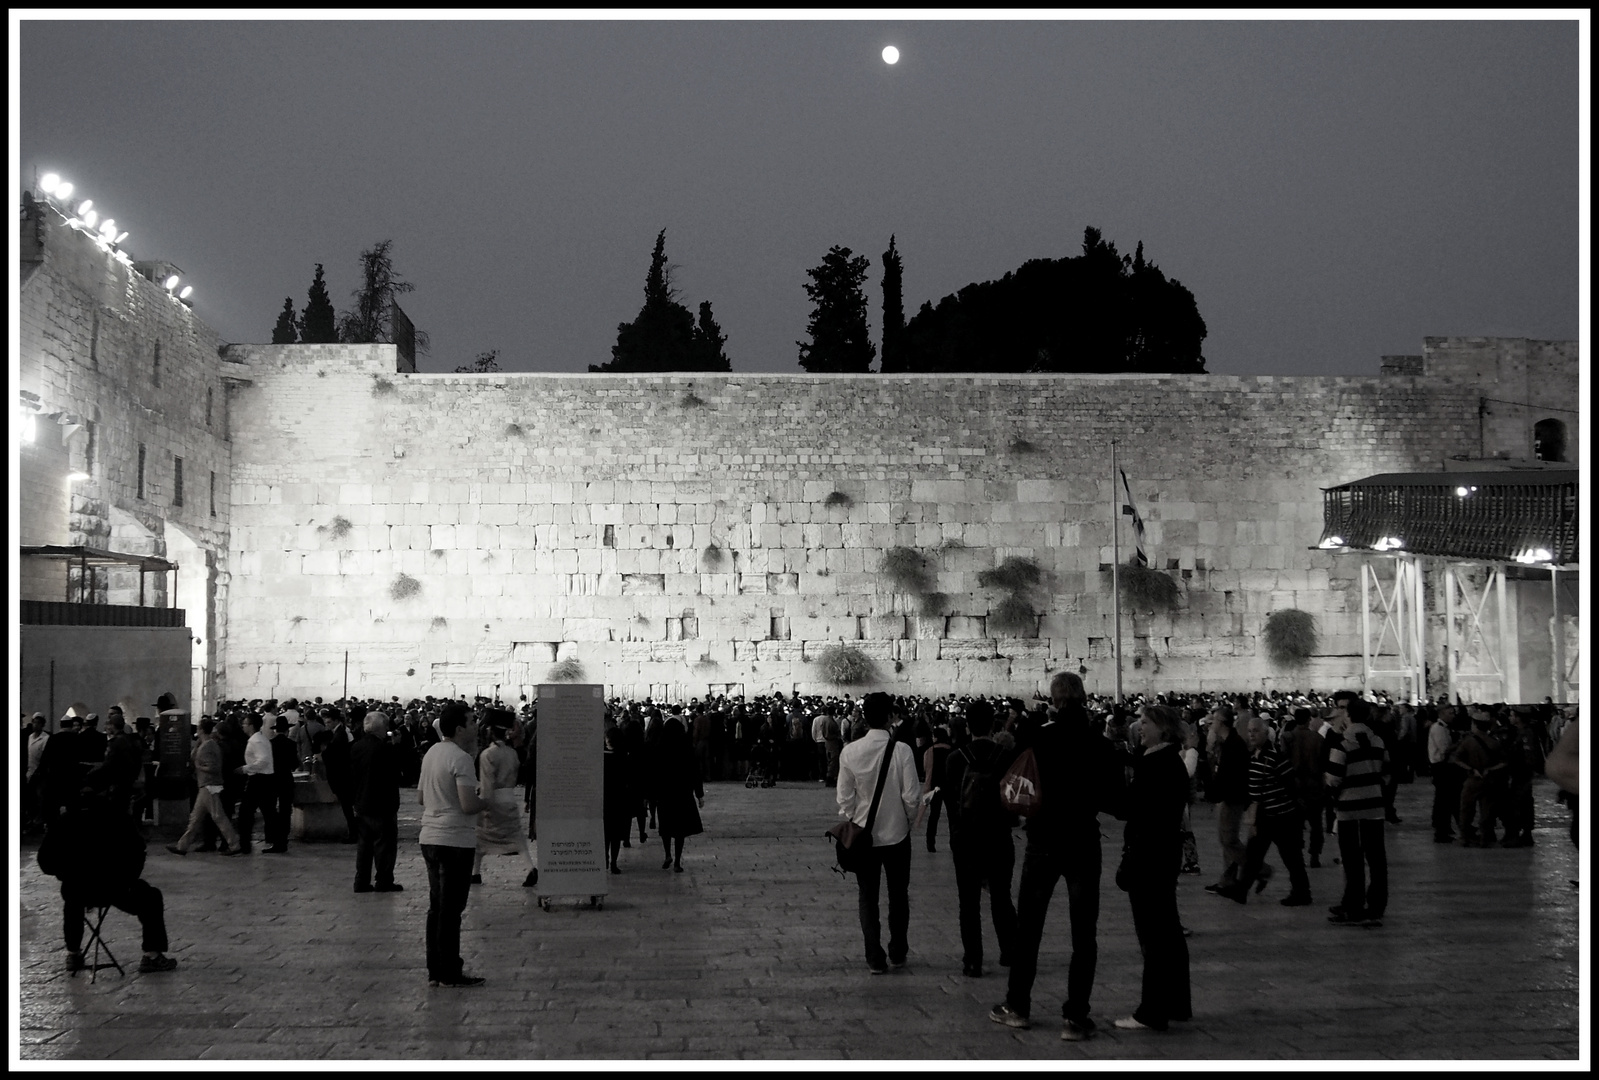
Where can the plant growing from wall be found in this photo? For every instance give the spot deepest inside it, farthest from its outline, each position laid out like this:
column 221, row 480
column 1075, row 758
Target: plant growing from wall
column 1012, row 615
column 568, row 670
column 845, row 665
column 513, row 431
column 338, row 528
column 1019, row 579
column 691, row 400
column 838, row 498
column 712, row 555
column 1146, row 589
column 440, row 622
column 1291, row 637
column 381, row 386
column 907, row 569
column 404, row 587
column 1022, row 446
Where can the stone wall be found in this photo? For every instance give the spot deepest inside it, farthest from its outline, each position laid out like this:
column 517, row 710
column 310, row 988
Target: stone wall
column 681, row 534
column 118, row 362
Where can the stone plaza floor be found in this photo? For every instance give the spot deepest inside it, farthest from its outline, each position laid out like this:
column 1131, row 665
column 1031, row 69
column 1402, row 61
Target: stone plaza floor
column 755, row 953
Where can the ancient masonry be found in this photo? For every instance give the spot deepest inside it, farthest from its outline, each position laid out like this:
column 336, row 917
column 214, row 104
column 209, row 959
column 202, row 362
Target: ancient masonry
column 678, row 535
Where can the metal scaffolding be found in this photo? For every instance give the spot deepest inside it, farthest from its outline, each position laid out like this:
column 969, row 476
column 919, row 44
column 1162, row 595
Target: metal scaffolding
column 1400, row 636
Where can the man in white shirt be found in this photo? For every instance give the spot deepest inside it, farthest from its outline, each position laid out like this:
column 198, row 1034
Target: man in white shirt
column 1446, row 776
column 890, row 853
column 259, row 794
column 819, row 737
column 447, row 790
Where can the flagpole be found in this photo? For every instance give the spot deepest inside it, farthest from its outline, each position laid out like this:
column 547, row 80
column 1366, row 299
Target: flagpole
column 1115, row 567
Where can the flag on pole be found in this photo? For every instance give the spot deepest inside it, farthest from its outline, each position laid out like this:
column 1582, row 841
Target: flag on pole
column 1138, row 523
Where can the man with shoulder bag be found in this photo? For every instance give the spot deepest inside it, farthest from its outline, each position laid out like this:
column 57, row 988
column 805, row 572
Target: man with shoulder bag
column 878, row 791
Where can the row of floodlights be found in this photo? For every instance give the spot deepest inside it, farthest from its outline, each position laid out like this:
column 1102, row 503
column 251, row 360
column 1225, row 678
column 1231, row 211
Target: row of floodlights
column 86, row 218
column 1394, row 543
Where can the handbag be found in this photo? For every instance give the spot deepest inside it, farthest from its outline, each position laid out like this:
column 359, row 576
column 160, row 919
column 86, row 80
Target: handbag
column 1019, row 790
column 852, row 841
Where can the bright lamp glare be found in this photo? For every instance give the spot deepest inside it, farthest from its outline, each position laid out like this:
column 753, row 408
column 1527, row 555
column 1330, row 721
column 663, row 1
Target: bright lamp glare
column 121, row 236
column 108, row 228
column 77, row 477
column 84, row 207
column 49, row 183
column 1462, row 492
column 64, row 191
column 1333, row 542
column 171, row 282
column 187, row 289
column 90, row 218
column 29, row 426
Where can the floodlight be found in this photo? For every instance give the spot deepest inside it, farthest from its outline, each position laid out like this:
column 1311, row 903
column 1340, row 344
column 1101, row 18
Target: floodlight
column 63, row 192
column 1387, row 543
column 108, row 228
column 187, row 289
column 1462, row 492
column 49, row 183
column 76, row 477
column 1333, row 542
column 121, row 236
column 90, row 218
column 172, row 282
column 84, row 207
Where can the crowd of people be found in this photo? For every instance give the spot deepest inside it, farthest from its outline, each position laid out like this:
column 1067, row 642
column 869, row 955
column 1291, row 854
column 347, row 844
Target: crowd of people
column 1280, row 769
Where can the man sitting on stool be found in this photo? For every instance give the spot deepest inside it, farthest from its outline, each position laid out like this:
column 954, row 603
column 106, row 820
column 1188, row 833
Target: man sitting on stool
column 98, row 854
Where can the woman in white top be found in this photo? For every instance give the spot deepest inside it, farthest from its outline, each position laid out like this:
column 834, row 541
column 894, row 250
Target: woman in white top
column 499, row 828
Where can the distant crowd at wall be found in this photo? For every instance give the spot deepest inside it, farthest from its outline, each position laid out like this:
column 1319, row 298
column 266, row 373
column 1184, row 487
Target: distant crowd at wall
column 677, row 535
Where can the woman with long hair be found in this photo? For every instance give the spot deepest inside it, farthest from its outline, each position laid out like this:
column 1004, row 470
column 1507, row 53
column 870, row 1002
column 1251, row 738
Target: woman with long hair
column 1150, row 860
column 499, row 828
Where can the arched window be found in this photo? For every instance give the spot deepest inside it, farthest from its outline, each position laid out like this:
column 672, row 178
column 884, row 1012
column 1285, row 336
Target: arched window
column 1549, row 440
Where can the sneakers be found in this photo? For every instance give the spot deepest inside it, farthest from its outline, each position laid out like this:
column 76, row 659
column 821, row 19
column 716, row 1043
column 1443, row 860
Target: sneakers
column 1004, row 1014
column 1295, row 900
column 176, row 850
column 157, row 963
column 1076, row 1030
column 876, row 969
column 1132, row 1023
column 532, row 878
column 460, row 982
column 75, row 962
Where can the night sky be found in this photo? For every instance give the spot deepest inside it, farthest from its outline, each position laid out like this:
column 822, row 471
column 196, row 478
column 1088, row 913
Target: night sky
column 1329, row 191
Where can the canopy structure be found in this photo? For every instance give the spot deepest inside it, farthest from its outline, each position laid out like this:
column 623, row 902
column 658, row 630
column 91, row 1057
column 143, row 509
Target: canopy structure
column 1527, row 517
column 86, row 557
column 1490, row 519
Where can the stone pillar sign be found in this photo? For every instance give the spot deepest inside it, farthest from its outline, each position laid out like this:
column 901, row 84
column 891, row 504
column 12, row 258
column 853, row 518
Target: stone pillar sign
column 571, row 790
column 174, row 742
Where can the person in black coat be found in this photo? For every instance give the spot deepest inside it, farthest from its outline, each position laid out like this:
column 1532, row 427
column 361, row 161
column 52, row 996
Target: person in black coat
column 678, row 791
column 285, row 759
column 336, row 761
column 1151, row 857
column 375, row 797
column 620, row 798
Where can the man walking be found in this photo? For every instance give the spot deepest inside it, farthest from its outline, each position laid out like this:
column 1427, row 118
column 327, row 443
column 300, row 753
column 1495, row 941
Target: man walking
column 890, row 853
column 1446, row 776
column 1229, row 790
column 1079, row 774
column 1278, row 820
column 1357, row 769
column 375, row 772
column 447, row 790
column 979, row 836
column 207, row 760
column 284, row 761
column 258, row 791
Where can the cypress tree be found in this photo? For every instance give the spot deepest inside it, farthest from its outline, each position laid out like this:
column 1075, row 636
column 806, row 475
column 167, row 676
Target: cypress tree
column 283, row 333
column 893, row 311
column 317, row 322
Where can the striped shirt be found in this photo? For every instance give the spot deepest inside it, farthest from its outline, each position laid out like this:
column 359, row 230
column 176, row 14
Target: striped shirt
column 1355, row 772
column 1271, row 783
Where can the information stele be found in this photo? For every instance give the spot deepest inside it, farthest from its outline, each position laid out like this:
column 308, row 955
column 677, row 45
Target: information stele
column 570, row 799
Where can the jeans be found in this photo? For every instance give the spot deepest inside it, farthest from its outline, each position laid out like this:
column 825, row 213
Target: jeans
column 1228, row 819
column 1079, row 860
column 137, row 897
column 895, row 864
column 1166, row 994
column 449, row 884
column 1445, row 799
column 1288, row 833
column 984, row 859
column 1361, row 843
column 377, row 838
column 207, row 807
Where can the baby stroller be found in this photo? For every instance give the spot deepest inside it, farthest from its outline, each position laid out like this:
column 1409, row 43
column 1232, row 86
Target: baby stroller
column 763, row 764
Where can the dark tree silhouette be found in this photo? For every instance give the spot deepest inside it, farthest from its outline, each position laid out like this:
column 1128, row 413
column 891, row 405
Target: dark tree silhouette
column 1096, row 312
column 839, row 339
column 318, row 324
column 893, row 311
column 706, row 349
column 483, row 362
column 663, row 337
column 371, row 319
column 283, row 333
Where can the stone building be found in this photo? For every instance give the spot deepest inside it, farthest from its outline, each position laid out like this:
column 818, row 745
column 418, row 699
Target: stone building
column 340, row 516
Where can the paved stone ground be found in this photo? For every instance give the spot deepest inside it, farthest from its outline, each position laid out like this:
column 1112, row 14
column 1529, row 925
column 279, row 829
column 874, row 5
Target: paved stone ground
column 755, row 953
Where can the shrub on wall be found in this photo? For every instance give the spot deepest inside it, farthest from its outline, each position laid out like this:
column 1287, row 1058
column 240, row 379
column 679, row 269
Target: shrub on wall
column 382, row 386
column 712, row 555
column 404, row 587
column 691, row 400
column 338, row 527
column 838, row 498
column 1022, row 446
column 1291, row 637
column 1147, row 590
column 1013, row 615
column 908, row 570
column 568, row 670
column 1014, row 575
column 845, row 665
column 1019, row 579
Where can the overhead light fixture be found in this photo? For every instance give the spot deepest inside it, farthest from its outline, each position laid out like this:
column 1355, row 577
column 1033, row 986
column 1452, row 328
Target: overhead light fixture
column 85, row 206
column 64, row 191
column 91, row 217
column 1462, row 491
column 187, row 289
column 108, row 228
column 1387, row 543
column 1535, row 555
column 77, row 477
column 49, row 182
column 1332, row 542
column 171, row 283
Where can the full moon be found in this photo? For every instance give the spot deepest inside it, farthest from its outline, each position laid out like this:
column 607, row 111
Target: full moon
column 891, row 55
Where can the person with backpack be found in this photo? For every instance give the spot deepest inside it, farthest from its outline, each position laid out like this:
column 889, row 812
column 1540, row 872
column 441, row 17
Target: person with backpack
column 980, row 839
column 934, row 759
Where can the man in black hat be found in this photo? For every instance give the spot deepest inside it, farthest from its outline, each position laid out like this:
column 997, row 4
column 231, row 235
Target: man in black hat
column 285, row 759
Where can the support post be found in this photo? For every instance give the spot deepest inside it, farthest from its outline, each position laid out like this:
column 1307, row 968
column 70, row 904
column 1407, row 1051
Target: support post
column 1450, row 655
column 1365, row 623
column 1509, row 690
column 1558, row 645
column 1420, row 609
column 1115, row 566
